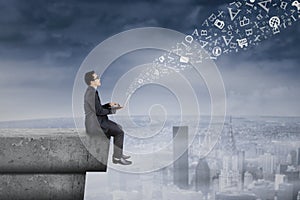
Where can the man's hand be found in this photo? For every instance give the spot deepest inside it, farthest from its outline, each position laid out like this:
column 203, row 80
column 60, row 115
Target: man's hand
column 113, row 104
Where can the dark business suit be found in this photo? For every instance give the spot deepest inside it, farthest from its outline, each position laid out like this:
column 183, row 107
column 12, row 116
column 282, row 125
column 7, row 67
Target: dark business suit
column 96, row 119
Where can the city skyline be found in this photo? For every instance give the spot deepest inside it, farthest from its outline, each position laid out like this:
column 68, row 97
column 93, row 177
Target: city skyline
column 264, row 162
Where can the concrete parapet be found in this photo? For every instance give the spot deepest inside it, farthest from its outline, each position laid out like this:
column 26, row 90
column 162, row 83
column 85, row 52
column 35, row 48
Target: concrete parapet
column 42, row 186
column 49, row 163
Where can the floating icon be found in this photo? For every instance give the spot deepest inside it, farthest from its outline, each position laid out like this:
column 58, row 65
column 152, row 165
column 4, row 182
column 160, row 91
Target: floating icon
column 274, row 22
column 184, row 59
column 161, row 59
column 203, row 32
column 297, row 4
column 232, row 45
column 244, row 22
column 219, row 24
column 249, row 32
column 217, row 51
column 242, row 42
column 140, row 81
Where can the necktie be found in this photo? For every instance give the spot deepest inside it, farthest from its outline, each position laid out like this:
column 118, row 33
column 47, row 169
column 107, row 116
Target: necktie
column 97, row 95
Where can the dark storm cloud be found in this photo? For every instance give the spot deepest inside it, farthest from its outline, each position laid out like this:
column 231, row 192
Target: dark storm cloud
column 278, row 47
column 40, row 28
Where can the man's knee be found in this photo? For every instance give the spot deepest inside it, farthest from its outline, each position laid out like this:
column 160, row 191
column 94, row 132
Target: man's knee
column 120, row 127
column 120, row 132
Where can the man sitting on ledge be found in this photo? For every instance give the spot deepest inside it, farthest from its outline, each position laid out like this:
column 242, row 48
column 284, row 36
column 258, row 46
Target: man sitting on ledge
column 96, row 114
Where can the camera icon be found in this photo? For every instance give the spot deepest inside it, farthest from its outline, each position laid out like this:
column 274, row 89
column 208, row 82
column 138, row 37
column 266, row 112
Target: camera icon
column 219, row 24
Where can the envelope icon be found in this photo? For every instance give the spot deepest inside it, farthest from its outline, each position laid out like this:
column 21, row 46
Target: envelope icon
column 184, row 59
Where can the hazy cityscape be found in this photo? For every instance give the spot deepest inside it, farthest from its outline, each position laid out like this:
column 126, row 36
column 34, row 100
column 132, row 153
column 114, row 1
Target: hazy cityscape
column 254, row 158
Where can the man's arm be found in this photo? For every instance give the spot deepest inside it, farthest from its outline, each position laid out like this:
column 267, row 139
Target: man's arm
column 101, row 110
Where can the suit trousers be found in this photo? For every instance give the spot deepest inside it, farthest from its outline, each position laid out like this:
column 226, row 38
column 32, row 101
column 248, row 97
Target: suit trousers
column 115, row 130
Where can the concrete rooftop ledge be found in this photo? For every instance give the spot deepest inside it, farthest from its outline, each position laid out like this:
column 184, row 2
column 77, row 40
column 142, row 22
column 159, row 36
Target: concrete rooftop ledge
column 42, row 186
column 49, row 163
column 51, row 151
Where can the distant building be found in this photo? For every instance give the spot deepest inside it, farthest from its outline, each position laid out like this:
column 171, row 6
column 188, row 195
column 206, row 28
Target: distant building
column 180, row 154
column 268, row 164
column 298, row 195
column 292, row 174
column 263, row 189
column 147, row 186
column 259, row 151
column 282, row 168
column 202, row 177
column 281, row 151
column 230, row 177
column 294, row 158
column 122, row 195
column 285, row 191
column 192, row 174
column 167, row 176
column 170, row 192
column 235, row 196
column 289, row 159
column 215, row 186
column 157, row 195
column 279, row 179
column 241, row 164
column 248, row 179
column 298, row 156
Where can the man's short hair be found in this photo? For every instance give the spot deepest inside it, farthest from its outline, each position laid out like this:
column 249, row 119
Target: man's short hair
column 88, row 77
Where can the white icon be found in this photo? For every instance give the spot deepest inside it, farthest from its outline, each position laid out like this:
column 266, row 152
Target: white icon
column 156, row 72
column 203, row 32
column 244, row 22
column 242, row 42
column 184, row 59
column 252, row 1
column 140, row 81
column 232, row 45
column 275, row 30
column 297, row 4
column 161, row 59
column 274, row 22
column 249, row 32
column 219, row 24
column 217, row 51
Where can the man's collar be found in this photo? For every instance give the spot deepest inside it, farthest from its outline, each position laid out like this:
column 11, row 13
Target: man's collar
column 93, row 87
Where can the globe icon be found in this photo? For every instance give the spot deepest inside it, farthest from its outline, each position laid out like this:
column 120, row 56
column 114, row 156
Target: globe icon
column 274, row 22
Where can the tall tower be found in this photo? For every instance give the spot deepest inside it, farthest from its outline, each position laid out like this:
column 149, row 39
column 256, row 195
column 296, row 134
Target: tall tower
column 230, row 177
column 241, row 167
column 180, row 155
column 202, row 177
column 298, row 196
column 228, row 141
column 268, row 162
column 294, row 157
column 298, row 156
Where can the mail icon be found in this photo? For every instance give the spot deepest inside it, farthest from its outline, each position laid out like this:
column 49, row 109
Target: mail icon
column 184, row 59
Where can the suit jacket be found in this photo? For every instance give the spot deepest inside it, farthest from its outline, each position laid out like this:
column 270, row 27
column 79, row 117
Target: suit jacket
column 96, row 119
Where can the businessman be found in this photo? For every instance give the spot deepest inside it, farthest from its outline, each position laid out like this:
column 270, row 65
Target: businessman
column 96, row 118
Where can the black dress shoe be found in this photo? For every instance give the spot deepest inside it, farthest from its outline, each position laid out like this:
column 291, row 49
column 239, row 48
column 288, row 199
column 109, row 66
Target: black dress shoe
column 125, row 157
column 121, row 161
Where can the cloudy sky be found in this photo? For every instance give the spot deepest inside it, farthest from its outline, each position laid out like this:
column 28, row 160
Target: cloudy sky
column 43, row 43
